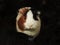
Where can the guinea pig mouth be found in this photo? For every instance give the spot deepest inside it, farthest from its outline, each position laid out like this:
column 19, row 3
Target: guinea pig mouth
column 29, row 29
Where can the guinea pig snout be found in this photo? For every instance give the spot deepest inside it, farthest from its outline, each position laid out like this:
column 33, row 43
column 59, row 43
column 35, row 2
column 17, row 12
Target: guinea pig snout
column 31, row 25
column 28, row 26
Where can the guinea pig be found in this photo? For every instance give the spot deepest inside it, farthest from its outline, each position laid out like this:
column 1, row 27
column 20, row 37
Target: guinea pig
column 28, row 21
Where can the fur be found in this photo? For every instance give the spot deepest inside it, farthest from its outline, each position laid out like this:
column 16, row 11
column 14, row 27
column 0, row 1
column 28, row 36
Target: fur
column 36, row 24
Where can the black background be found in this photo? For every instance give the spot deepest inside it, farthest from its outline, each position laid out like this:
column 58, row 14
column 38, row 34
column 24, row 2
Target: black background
column 49, row 34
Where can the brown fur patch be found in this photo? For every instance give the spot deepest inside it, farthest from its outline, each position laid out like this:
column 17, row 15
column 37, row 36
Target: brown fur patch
column 21, row 22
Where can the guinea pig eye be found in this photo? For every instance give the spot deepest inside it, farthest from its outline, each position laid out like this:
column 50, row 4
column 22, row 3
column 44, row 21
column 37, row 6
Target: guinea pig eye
column 24, row 16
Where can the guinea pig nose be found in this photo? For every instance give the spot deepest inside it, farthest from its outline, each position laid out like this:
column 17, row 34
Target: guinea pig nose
column 30, row 25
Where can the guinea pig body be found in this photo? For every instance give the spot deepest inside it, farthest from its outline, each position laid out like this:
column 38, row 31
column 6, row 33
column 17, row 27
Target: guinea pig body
column 29, row 23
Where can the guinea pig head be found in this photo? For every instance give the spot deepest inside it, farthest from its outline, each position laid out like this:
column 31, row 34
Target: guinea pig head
column 29, row 23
